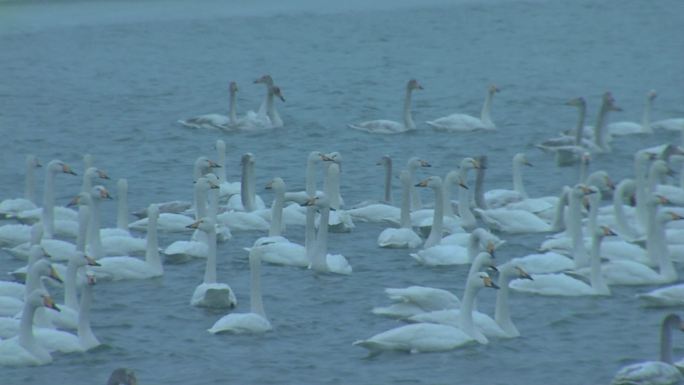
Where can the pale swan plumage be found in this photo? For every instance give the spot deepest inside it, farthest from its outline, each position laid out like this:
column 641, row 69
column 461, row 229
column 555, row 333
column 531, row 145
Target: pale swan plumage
column 216, row 121
column 631, row 128
column 404, row 236
column 463, row 122
column 10, row 207
column 389, row 126
column 320, row 260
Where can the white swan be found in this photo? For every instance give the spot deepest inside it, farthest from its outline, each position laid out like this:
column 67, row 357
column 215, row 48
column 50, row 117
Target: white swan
column 227, row 189
column 404, row 236
column 564, row 285
column 427, row 337
column 211, row 293
column 275, row 248
column 118, row 240
column 10, row 207
column 340, row 221
column 601, row 136
column 320, row 260
column 664, row 296
column 267, row 116
column 630, row 128
column 512, row 221
column 24, row 349
column 389, row 126
column 13, row 298
column 570, row 148
column 216, row 121
column 672, row 124
column 501, row 197
column 126, row 267
column 382, row 211
column 255, row 321
column 462, row 122
column 247, row 200
column 655, row 372
column 501, row 326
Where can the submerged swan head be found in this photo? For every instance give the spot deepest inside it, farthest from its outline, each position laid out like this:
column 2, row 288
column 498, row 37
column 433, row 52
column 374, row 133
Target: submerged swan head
column 413, row 85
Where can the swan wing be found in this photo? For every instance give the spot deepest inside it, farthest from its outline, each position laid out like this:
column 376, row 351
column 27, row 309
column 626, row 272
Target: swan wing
column 647, row 373
column 513, row 221
column 419, row 337
column 665, row 296
column 427, row 298
column 442, row 255
column 552, row 285
column 241, row 323
column 380, row 127
column 399, row 238
column 457, row 122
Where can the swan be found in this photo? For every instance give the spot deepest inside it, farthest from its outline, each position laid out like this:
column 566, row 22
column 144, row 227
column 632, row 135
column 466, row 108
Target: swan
column 568, row 148
column 512, row 221
column 10, row 207
column 630, row 128
column 227, row 189
column 655, row 372
column 664, row 296
column 24, row 349
column 320, row 260
column 122, row 376
column 255, row 321
column 389, row 126
column 267, row 116
column 564, row 285
column 454, row 254
column 658, row 171
column 601, row 137
column 672, row 124
column 501, row 197
column 462, row 122
column 414, row 300
column 211, row 293
column 382, row 211
column 247, row 200
column 340, row 221
column 216, row 121
column 412, row 166
column 13, row 298
column 125, row 267
column 428, row 337
column 501, row 326
column 275, row 248
column 403, row 237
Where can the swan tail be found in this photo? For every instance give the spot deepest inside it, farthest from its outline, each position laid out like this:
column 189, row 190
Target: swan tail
column 374, row 348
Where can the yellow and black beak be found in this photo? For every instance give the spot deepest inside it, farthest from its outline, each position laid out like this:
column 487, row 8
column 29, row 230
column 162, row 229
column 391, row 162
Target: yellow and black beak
column 194, row 225
column 102, row 175
column 462, row 183
column 67, row 170
column 49, row 303
column 310, row 202
column 489, row 283
column 54, row 275
column 74, row 201
column 424, row 163
column 422, row 183
column 91, row 261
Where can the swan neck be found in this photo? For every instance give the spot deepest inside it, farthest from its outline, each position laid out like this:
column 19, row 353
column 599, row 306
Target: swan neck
column 70, row 299
column 152, row 252
column 640, row 180
column 518, row 185
column 333, row 188
column 84, row 331
column 579, row 130
column 245, row 188
column 502, row 314
column 388, row 182
column 646, row 117
column 446, row 197
column 408, row 118
column 310, row 234
column 26, row 338
column 467, row 305
column 416, row 204
column 468, row 220
column 656, row 247
column 559, row 213
column 232, row 112
column 579, row 253
column 200, row 201
column 210, row 271
column 486, row 107
column 599, row 139
column 437, row 220
column 596, row 278
column 666, row 342
column 405, row 204
column 310, row 178
column 277, row 214
column 321, row 251
column 83, row 219
column 49, row 206
column 94, row 239
column 30, row 183
column 623, row 226
column 122, row 206
column 255, row 299
column 479, row 183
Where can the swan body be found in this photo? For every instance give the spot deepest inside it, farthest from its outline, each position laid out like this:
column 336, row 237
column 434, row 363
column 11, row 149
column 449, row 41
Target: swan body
column 254, row 321
column 664, row 296
column 216, row 121
column 631, row 128
column 501, row 197
column 403, row 237
column 383, row 126
column 320, row 260
column 267, row 116
column 673, row 124
column 462, row 122
column 655, row 372
column 211, row 293
column 10, row 207
column 513, row 221
column 417, row 338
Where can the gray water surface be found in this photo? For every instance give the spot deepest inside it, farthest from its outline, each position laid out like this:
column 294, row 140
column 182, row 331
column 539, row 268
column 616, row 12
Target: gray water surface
column 112, row 78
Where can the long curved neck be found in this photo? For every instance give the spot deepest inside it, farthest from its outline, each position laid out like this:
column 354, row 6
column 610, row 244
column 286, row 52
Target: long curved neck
column 666, row 342
column 406, row 204
column 333, row 188
column 502, row 314
column 416, row 204
column 640, row 179
column 486, row 107
column 255, row 301
column 467, row 218
column 473, row 248
column 479, row 182
column 467, row 305
column 232, row 112
column 579, row 253
column 122, row 206
column 200, row 201
column 269, row 103
column 85, row 333
column 310, row 178
column 446, row 194
column 646, row 117
column 152, row 251
column 26, row 338
column 245, row 188
column 210, row 270
column 656, row 247
column 310, row 234
column 49, row 206
column 83, row 219
column 623, row 226
column 70, row 298
column 599, row 139
column 252, row 186
column 277, row 214
column 592, row 218
column 94, row 239
column 596, row 278
column 579, row 130
column 518, row 185
column 32, row 281
column 321, row 252
column 30, row 183
column 388, row 182
column 559, row 214
column 408, row 118
column 437, row 220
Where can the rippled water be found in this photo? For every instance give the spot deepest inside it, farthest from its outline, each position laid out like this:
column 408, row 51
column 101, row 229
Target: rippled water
column 112, row 78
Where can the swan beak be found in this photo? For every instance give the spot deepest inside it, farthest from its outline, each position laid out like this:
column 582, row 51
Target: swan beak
column 49, row 303
column 67, row 170
column 74, row 201
column 523, row 274
column 269, row 185
column 38, row 164
column 489, row 283
column 213, row 164
column 102, row 175
column 213, row 185
column 663, row 200
column 493, row 267
column 675, row 216
column 424, row 164
column 194, row 225
column 91, row 261
column 587, row 191
column 281, row 97
column 528, row 164
column 54, row 275
column 326, row 158
column 491, row 248
column 310, row 202
column 462, row 184
column 422, row 183
column 104, row 194
column 610, row 184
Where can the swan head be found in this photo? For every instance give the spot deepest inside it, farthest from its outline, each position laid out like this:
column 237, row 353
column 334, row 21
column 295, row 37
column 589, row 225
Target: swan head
column 57, row 166
column 484, row 280
column 233, row 87
column 660, row 167
column 334, row 157
column 650, row 95
column 487, row 259
column 80, row 259
column 265, row 79
column 204, row 163
column 319, row 201
column 522, row 274
column 205, row 224
column 79, row 200
column 40, row 297
column 247, row 159
column 415, row 162
column 153, row 211
column 277, row 185
column 122, row 376
column 521, row 158
column 468, row 163
column 43, row 268
column 604, row 231
column 493, row 89
column 386, row 160
column 601, row 180
column 32, row 161
column 94, row 172
column 413, row 85
column 608, row 102
column 277, row 93
column 576, row 102
column 100, row 192
column 433, row 182
column 667, row 216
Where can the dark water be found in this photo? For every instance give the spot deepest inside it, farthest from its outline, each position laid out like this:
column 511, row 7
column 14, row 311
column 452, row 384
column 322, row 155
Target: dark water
column 113, row 78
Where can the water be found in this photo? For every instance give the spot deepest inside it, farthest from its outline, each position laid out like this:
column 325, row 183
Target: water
column 112, row 78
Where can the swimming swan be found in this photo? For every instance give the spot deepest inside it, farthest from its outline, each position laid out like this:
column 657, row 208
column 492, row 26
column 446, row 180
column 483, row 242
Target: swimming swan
column 389, row 126
column 463, row 122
